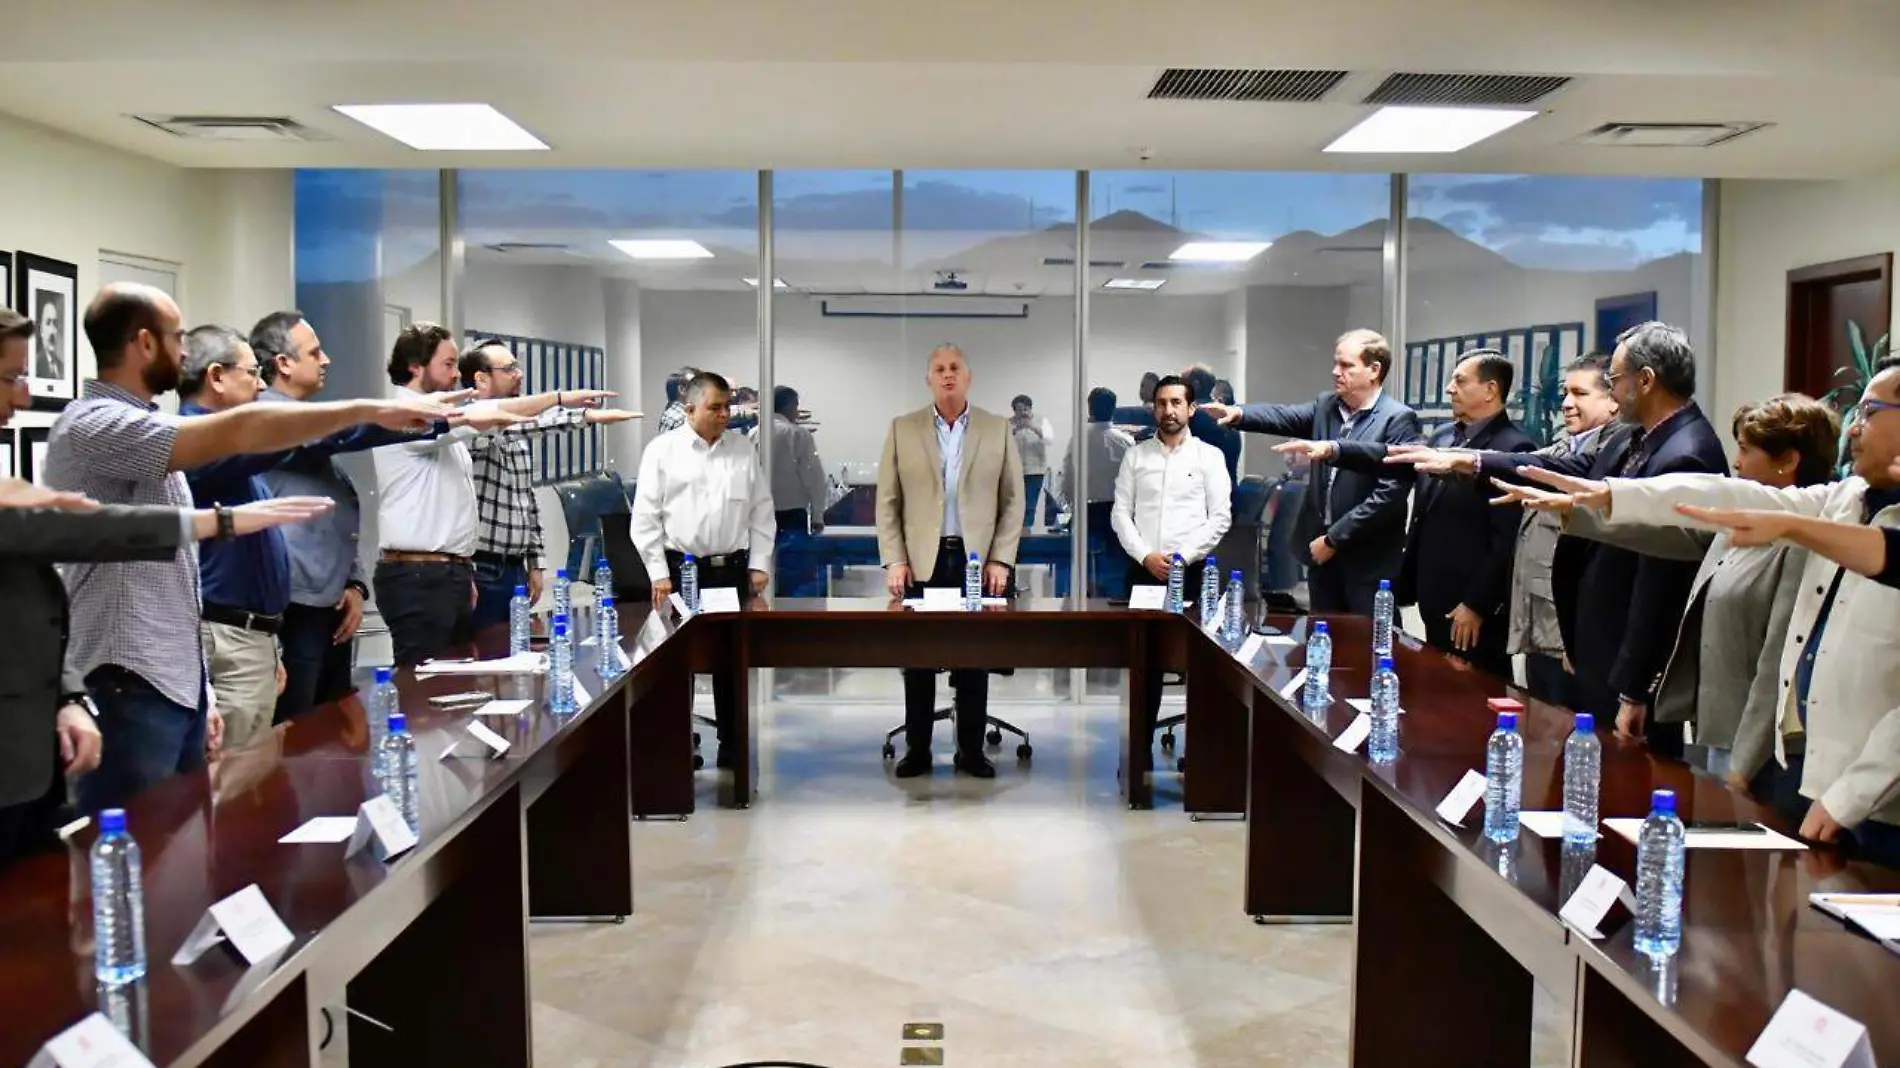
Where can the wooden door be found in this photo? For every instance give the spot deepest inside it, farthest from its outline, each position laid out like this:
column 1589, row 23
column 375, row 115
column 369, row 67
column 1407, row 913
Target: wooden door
column 1822, row 300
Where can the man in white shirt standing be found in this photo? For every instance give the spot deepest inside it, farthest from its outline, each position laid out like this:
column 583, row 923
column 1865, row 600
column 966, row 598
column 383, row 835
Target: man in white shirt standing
column 426, row 499
column 1035, row 437
column 1172, row 495
column 701, row 492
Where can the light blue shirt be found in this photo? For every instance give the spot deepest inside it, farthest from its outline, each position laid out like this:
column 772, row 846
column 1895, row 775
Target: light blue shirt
column 950, row 447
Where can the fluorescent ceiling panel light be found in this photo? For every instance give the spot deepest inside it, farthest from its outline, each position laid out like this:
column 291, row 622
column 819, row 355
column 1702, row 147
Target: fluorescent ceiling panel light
column 1219, row 251
column 777, row 283
column 1406, row 129
column 663, row 249
column 1145, row 284
column 445, row 127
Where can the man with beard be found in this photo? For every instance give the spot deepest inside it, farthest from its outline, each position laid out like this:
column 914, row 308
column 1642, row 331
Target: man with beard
column 1172, row 496
column 135, row 637
column 507, row 522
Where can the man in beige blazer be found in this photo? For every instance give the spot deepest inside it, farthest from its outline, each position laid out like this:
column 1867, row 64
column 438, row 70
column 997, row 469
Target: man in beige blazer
column 950, row 487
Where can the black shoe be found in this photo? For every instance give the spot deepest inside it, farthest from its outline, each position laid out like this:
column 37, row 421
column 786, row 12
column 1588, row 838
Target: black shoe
column 725, row 761
column 916, row 762
column 975, row 764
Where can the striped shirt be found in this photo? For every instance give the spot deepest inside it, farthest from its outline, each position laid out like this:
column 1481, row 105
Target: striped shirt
column 507, row 521
column 116, row 448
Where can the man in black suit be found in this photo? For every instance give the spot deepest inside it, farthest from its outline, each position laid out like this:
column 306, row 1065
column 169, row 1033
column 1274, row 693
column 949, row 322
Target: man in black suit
column 1460, row 547
column 1617, row 609
column 1351, row 527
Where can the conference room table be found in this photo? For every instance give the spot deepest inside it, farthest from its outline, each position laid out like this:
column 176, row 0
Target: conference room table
column 429, row 950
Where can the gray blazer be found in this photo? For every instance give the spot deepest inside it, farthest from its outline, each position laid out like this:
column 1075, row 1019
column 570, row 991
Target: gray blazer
column 34, row 677
column 1534, row 627
column 1723, row 672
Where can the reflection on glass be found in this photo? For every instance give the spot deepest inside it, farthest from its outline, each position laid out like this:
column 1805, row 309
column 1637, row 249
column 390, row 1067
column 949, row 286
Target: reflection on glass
column 1501, row 856
column 1577, row 860
column 1663, row 976
column 129, row 1009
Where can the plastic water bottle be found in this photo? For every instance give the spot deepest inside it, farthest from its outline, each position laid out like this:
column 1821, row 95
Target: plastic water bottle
column 1659, row 879
column 1210, row 589
column 1319, row 669
column 400, row 778
column 118, row 903
column 973, row 584
column 518, row 621
column 1235, row 624
column 1583, row 773
column 561, row 669
column 607, row 638
column 1382, row 608
column 1177, row 580
column 689, row 583
column 603, row 580
column 383, row 703
column 1383, row 744
column 563, row 603
column 1503, row 779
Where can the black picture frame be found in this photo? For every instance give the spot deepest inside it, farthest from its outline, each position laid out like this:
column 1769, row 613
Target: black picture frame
column 46, row 291
column 24, row 461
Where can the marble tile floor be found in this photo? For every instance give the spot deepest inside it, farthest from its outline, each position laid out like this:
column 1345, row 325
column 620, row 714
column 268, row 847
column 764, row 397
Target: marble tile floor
column 1036, row 918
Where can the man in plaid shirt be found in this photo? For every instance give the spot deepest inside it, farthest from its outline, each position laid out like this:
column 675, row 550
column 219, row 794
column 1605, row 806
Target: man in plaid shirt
column 508, row 550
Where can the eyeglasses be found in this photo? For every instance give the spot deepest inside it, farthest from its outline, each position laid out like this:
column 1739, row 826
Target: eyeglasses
column 1861, row 412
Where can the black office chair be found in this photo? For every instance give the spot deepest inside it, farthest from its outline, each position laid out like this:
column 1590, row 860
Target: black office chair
column 994, row 736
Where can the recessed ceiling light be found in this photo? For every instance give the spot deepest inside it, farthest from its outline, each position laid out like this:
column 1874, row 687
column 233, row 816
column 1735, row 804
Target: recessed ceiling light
column 1219, row 251
column 1146, row 284
column 445, row 127
column 1407, row 129
column 663, row 249
column 777, row 283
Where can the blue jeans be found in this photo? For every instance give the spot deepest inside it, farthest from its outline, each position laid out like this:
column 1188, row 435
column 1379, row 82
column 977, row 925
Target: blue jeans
column 146, row 737
column 316, row 667
column 495, row 580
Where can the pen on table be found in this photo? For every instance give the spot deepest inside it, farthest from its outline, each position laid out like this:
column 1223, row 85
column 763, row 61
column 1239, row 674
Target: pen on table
column 1887, row 901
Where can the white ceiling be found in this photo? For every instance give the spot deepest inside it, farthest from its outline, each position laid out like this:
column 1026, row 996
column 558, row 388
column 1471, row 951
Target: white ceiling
column 970, row 83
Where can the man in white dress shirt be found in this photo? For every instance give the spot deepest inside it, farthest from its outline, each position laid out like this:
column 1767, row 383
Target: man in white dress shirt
column 701, row 492
column 1172, row 495
column 426, row 500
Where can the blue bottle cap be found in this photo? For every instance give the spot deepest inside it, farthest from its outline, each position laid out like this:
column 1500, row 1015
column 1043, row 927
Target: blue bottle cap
column 1586, row 723
column 1663, row 801
column 560, row 572
column 112, row 821
column 1212, row 561
column 1507, row 721
column 560, row 618
column 690, row 558
column 1385, row 584
column 384, row 674
column 1320, row 628
column 972, row 556
column 1234, row 576
column 521, row 591
column 1385, row 663
column 560, row 626
column 606, row 600
column 398, row 723
column 1177, row 558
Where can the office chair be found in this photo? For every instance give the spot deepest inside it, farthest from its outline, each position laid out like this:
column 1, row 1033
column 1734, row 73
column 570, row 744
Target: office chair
column 994, row 737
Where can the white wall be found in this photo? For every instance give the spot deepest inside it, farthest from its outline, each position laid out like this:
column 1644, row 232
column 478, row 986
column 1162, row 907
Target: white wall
column 1450, row 304
column 70, row 199
column 1768, row 229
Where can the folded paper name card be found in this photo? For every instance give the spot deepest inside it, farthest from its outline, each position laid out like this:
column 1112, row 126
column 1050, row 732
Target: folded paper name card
column 1591, row 902
column 942, row 599
column 1804, row 1033
column 1148, row 598
column 1354, row 735
column 381, row 829
column 1250, row 648
column 246, row 920
column 492, row 745
column 91, row 1043
column 719, row 599
column 1457, row 804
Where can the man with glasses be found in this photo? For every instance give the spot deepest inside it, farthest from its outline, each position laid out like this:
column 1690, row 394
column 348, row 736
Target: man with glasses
column 135, row 636
column 508, row 524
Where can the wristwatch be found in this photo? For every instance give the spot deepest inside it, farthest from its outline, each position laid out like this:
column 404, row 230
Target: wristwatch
column 358, row 585
column 83, row 701
column 227, row 523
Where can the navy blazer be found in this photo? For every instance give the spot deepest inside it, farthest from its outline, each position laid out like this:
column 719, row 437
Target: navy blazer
column 1618, row 609
column 1368, row 507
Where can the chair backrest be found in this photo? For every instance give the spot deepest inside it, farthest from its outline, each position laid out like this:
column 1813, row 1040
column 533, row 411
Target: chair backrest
column 584, row 501
column 1239, row 548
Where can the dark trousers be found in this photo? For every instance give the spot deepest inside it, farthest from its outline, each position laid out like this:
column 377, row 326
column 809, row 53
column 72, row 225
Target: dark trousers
column 738, row 575
column 1150, row 708
column 429, row 607
column 1032, row 495
column 971, row 685
column 316, row 666
column 793, row 520
column 1603, row 702
column 1488, row 654
column 28, row 827
column 496, row 577
column 1332, row 589
column 1105, row 550
column 1546, row 679
column 145, row 736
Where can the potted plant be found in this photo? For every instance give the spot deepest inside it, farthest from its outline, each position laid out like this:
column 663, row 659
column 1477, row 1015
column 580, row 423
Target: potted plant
column 1855, row 377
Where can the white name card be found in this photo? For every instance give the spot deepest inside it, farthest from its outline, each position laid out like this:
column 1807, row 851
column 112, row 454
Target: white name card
column 1804, row 1033
column 493, row 745
column 246, row 920
column 1148, row 598
column 91, row 1043
column 1457, row 804
column 504, row 708
column 1364, row 704
column 1355, row 734
column 1291, row 691
column 1281, row 641
column 1592, row 900
column 581, row 697
column 942, row 599
column 679, row 604
column 381, row 828
column 719, row 599
column 1250, row 648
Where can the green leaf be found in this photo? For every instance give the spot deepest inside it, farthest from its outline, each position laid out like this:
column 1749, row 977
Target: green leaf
column 1859, row 342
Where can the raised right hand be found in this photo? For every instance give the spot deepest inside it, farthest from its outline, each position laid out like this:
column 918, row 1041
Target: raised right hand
column 1224, row 414
column 19, row 493
column 1317, row 451
column 1434, row 461
column 277, row 512
column 486, row 417
column 897, row 579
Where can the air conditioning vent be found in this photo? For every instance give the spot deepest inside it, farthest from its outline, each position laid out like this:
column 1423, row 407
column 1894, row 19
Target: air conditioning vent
column 1160, row 265
column 1668, row 134
column 1448, row 90
column 1069, row 261
column 233, row 127
column 527, row 246
column 1273, row 86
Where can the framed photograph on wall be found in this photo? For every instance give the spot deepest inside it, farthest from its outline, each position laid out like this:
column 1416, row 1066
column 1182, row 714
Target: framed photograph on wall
column 29, row 453
column 47, row 292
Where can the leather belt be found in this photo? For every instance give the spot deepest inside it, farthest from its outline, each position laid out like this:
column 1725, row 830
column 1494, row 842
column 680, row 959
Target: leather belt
column 238, row 617
column 732, row 559
column 403, row 556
